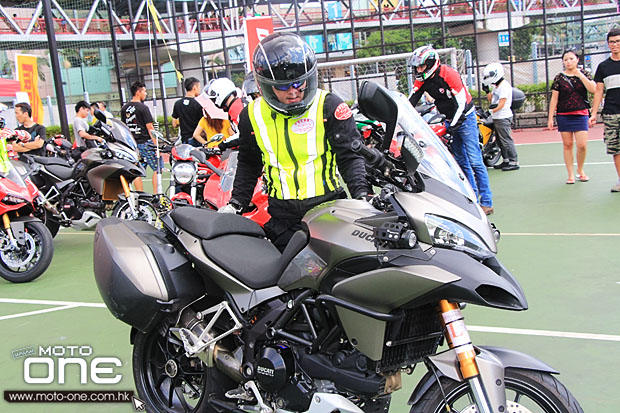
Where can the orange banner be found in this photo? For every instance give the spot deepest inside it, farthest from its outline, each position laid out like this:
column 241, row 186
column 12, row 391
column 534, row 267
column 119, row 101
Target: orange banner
column 28, row 75
column 256, row 29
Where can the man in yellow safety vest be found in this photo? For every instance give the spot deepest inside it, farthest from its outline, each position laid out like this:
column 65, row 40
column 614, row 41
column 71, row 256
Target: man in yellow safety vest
column 298, row 134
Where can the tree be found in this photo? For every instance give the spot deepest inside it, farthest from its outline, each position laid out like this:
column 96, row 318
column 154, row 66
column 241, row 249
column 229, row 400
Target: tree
column 396, row 41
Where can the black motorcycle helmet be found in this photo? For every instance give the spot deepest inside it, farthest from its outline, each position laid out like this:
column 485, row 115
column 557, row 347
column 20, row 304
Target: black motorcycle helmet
column 281, row 59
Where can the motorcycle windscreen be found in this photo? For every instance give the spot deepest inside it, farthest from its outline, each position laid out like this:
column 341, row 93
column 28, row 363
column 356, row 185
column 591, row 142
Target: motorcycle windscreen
column 437, row 162
column 228, row 177
column 122, row 133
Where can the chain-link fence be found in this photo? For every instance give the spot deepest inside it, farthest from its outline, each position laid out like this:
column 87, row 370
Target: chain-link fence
column 393, row 71
column 104, row 46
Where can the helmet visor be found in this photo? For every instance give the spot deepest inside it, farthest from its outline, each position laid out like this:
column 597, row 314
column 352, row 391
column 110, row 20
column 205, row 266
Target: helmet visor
column 294, row 85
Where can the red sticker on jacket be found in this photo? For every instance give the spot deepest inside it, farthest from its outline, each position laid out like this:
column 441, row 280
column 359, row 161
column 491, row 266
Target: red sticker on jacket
column 343, row 111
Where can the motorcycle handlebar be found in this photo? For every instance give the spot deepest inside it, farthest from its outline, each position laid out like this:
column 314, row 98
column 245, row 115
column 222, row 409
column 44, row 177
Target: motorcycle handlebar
column 372, row 155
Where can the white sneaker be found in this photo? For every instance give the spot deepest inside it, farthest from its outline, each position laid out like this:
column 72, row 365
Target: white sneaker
column 616, row 187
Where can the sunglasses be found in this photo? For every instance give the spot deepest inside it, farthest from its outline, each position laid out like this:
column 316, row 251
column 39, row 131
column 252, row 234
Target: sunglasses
column 294, row 85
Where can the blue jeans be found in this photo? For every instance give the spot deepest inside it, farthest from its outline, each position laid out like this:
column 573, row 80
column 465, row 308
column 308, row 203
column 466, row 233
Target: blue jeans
column 466, row 150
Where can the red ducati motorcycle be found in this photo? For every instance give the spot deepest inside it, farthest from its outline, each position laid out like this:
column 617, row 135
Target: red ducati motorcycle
column 26, row 246
column 204, row 178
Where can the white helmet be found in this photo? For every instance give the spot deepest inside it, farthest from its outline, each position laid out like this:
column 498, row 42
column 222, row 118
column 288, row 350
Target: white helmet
column 219, row 90
column 492, row 73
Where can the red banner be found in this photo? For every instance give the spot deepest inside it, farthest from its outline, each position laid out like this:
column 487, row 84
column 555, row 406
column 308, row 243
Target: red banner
column 28, row 75
column 256, row 29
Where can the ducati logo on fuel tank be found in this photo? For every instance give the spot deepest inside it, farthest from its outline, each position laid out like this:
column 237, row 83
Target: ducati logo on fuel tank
column 363, row 235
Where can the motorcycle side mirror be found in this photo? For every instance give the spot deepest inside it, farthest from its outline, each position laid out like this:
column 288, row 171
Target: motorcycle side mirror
column 100, row 116
column 376, row 102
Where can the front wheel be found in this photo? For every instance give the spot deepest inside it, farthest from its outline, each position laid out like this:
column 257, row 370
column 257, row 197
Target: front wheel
column 144, row 211
column 527, row 391
column 169, row 381
column 23, row 263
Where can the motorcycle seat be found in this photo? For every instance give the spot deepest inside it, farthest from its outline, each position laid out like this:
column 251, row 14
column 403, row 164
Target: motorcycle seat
column 61, row 171
column 44, row 160
column 238, row 245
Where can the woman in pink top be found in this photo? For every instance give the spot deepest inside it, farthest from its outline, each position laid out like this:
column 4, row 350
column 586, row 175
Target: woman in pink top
column 569, row 95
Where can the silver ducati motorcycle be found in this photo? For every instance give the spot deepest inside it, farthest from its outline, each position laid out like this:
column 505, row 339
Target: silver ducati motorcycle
column 223, row 322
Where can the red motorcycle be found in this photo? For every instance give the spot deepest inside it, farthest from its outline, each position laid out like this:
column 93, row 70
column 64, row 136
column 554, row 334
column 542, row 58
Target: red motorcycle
column 203, row 178
column 26, row 246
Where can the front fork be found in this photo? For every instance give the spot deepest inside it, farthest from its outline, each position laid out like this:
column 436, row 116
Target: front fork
column 458, row 339
column 129, row 196
column 7, row 228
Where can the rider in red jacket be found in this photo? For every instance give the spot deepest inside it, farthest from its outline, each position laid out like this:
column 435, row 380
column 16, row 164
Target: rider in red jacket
column 452, row 99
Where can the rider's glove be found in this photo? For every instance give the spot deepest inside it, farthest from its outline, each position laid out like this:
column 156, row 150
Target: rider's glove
column 232, row 207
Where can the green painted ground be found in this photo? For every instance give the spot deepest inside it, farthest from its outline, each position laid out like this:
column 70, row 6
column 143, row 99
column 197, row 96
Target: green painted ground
column 572, row 283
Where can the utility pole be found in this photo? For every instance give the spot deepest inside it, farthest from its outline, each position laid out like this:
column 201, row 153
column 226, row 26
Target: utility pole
column 60, row 96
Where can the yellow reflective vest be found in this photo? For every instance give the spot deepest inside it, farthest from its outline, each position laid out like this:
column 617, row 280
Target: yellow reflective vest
column 299, row 162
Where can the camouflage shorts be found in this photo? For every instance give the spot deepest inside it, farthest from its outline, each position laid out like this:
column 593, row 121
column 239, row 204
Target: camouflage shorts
column 612, row 133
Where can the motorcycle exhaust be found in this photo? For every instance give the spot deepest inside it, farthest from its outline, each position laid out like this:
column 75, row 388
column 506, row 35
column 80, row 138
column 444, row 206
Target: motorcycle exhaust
column 214, row 354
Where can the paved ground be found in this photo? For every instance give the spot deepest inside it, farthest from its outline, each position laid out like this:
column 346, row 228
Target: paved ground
column 560, row 241
column 538, row 135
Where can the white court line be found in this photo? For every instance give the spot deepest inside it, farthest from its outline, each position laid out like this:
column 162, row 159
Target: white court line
column 550, row 143
column 547, row 165
column 48, row 302
column 559, row 234
column 544, row 333
column 47, row 310
column 501, row 330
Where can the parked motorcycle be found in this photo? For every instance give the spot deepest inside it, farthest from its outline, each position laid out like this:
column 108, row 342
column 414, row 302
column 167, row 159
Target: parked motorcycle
column 191, row 167
column 201, row 177
column 222, row 321
column 491, row 152
column 79, row 195
column 59, row 147
column 26, row 246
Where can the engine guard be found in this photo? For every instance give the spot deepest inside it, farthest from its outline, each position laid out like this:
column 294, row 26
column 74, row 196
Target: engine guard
column 491, row 362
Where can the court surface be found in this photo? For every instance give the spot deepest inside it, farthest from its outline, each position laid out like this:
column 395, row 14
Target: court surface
column 561, row 241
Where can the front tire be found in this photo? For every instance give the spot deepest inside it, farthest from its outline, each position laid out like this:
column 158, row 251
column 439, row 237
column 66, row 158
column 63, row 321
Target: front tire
column 30, row 260
column 526, row 391
column 167, row 380
column 145, row 211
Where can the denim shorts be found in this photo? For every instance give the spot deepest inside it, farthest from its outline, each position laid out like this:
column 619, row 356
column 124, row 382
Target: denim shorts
column 148, row 156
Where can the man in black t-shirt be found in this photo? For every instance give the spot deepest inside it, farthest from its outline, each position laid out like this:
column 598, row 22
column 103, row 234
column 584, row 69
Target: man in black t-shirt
column 34, row 146
column 137, row 116
column 187, row 112
column 607, row 80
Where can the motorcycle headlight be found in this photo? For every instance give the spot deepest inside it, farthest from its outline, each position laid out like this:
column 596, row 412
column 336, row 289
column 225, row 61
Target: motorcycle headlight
column 13, row 200
column 184, row 172
column 449, row 234
column 128, row 156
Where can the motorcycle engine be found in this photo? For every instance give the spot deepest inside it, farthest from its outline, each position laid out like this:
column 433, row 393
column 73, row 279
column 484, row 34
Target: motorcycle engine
column 276, row 374
column 274, row 367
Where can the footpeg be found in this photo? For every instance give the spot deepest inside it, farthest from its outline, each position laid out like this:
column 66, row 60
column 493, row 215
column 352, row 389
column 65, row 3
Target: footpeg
column 240, row 394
